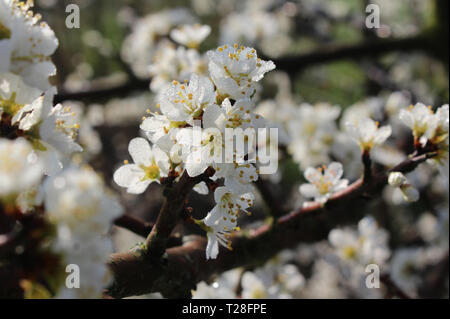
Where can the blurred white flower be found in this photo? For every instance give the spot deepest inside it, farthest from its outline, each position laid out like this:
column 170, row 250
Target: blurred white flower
column 367, row 133
column 20, row 168
column 366, row 246
column 405, row 267
column 396, row 179
column 139, row 47
column 190, row 35
column 421, row 120
column 410, row 193
column 324, row 182
column 170, row 63
column 83, row 212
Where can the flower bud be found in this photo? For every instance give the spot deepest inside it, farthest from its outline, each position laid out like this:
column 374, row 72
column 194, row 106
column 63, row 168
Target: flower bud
column 410, row 193
column 396, row 179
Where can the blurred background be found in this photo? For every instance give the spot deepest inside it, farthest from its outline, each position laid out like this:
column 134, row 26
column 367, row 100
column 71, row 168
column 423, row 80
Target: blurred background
column 324, row 48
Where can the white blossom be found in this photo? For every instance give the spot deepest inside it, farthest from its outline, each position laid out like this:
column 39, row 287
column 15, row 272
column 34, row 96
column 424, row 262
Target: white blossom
column 184, row 102
column 367, row 133
column 23, row 103
column 139, row 47
column 77, row 202
column 26, row 44
column 150, row 164
column 190, row 35
column 368, row 245
column 55, row 142
column 228, row 206
column 409, row 193
column 235, row 70
column 396, row 179
column 421, row 120
column 20, row 168
column 170, row 63
column 324, row 182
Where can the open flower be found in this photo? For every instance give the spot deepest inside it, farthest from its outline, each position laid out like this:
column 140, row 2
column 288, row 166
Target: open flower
column 20, row 168
column 236, row 69
column 205, row 144
column 22, row 103
column 421, row 120
column 410, row 193
column 55, row 142
column 228, row 206
column 26, row 44
column 367, row 133
column 324, row 182
column 150, row 164
column 237, row 177
column 190, row 35
column 170, row 63
column 185, row 102
column 216, row 235
column 369, row 244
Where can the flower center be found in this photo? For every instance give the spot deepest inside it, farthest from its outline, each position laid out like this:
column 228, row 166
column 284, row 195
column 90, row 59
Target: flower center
column 151, row 172
column 349, row 252
column 259, row 293
column 10, row 106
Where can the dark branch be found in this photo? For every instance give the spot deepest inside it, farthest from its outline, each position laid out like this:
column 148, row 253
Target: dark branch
column 170, row 212
column 292, row 65
column 134, row 224
column 186, row 265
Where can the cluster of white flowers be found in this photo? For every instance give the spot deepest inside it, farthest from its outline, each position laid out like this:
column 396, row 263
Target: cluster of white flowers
column 47, row 133
column 20, row 169
column 26, row 44
column 190, row 136
column 256, row 24
column 77, row 203
column 428, row 126
column 277, row 279
column 369, row 245
column 140, row 47
column 39, row 138
column 51, row 130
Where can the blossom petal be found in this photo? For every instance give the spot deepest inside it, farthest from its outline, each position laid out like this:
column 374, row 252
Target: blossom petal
column 308, row 190
column 212, row 248
column 140, row 151
column 127, row 174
